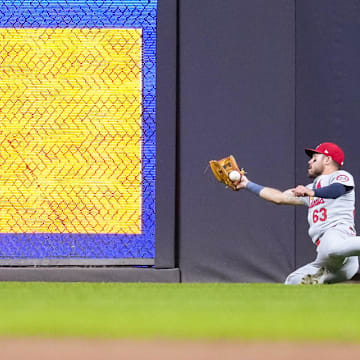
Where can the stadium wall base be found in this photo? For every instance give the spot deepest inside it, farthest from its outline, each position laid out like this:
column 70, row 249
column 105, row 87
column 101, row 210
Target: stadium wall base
column 90, row 274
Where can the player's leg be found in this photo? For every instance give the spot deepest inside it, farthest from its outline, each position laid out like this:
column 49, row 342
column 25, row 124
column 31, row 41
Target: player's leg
column 349, row 268
column 336, row 260
column 314, row 273
column 330, row 264
column 349, row 246
column 299, row 274
column 333, row 255
column 331, row 242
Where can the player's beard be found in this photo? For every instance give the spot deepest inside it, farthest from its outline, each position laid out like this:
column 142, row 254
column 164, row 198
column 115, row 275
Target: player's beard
column 314, row 172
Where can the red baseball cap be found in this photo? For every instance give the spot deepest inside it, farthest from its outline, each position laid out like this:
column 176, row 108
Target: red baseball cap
column 328, row 149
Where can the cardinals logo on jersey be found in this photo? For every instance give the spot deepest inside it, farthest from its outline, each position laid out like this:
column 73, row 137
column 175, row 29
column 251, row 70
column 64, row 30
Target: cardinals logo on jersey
column 314, row 201
column 343, row 178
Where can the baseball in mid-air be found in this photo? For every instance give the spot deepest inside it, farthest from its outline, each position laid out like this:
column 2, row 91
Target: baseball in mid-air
column 234, row 176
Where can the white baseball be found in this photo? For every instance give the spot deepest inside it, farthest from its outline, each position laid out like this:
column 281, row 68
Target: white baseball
column 234, row 176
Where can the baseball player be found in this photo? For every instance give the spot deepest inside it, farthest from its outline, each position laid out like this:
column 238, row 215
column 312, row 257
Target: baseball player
column 331, row 204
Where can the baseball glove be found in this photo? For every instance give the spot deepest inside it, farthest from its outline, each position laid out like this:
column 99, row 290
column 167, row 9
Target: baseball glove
column 223, row 167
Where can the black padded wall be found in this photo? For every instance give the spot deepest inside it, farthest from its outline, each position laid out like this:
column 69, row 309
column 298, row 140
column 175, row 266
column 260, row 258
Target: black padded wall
column 236, row 82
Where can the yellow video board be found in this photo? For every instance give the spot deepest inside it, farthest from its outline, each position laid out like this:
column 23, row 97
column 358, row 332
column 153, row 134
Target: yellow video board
column 71, row 130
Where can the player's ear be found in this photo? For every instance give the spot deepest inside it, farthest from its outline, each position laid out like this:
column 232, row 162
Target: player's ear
column 336, row 165
column 329, row 160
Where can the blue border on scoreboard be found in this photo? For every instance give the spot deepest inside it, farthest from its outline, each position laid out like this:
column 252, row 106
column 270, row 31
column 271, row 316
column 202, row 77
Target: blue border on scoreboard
column 95, row 14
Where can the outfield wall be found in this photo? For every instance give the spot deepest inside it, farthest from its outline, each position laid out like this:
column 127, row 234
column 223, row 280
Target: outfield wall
column 237, row 96
column 261, row 80
column 258, row 79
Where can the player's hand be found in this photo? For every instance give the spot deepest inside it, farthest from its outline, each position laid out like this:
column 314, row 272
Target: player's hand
column 241, row 184
column 301, row 191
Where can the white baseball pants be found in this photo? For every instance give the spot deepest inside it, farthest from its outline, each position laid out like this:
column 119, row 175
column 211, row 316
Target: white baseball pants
column 338, row 252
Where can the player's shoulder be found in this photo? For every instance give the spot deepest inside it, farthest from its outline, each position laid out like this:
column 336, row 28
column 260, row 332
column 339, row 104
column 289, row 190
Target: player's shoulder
column 343, row 177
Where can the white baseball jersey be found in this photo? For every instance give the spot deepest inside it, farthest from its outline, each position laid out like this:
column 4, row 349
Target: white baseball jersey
column 323, row 213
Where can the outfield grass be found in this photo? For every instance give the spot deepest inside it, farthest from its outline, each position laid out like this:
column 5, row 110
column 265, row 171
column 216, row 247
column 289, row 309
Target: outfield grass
column 196, row 311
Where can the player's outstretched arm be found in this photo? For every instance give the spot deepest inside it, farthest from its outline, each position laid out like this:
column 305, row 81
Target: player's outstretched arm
column 270, row 194
column 280, row 197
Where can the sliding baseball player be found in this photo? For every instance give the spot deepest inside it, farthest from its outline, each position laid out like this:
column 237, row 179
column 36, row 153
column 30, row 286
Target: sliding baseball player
column 330, row 199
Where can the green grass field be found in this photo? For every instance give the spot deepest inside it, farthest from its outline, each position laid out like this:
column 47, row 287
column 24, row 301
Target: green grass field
column 190, row 311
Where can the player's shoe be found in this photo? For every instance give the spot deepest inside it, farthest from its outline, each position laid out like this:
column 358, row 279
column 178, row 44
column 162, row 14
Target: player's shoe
column 318, row 278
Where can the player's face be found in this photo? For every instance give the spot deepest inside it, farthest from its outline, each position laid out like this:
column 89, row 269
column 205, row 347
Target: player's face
column 316, row 165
